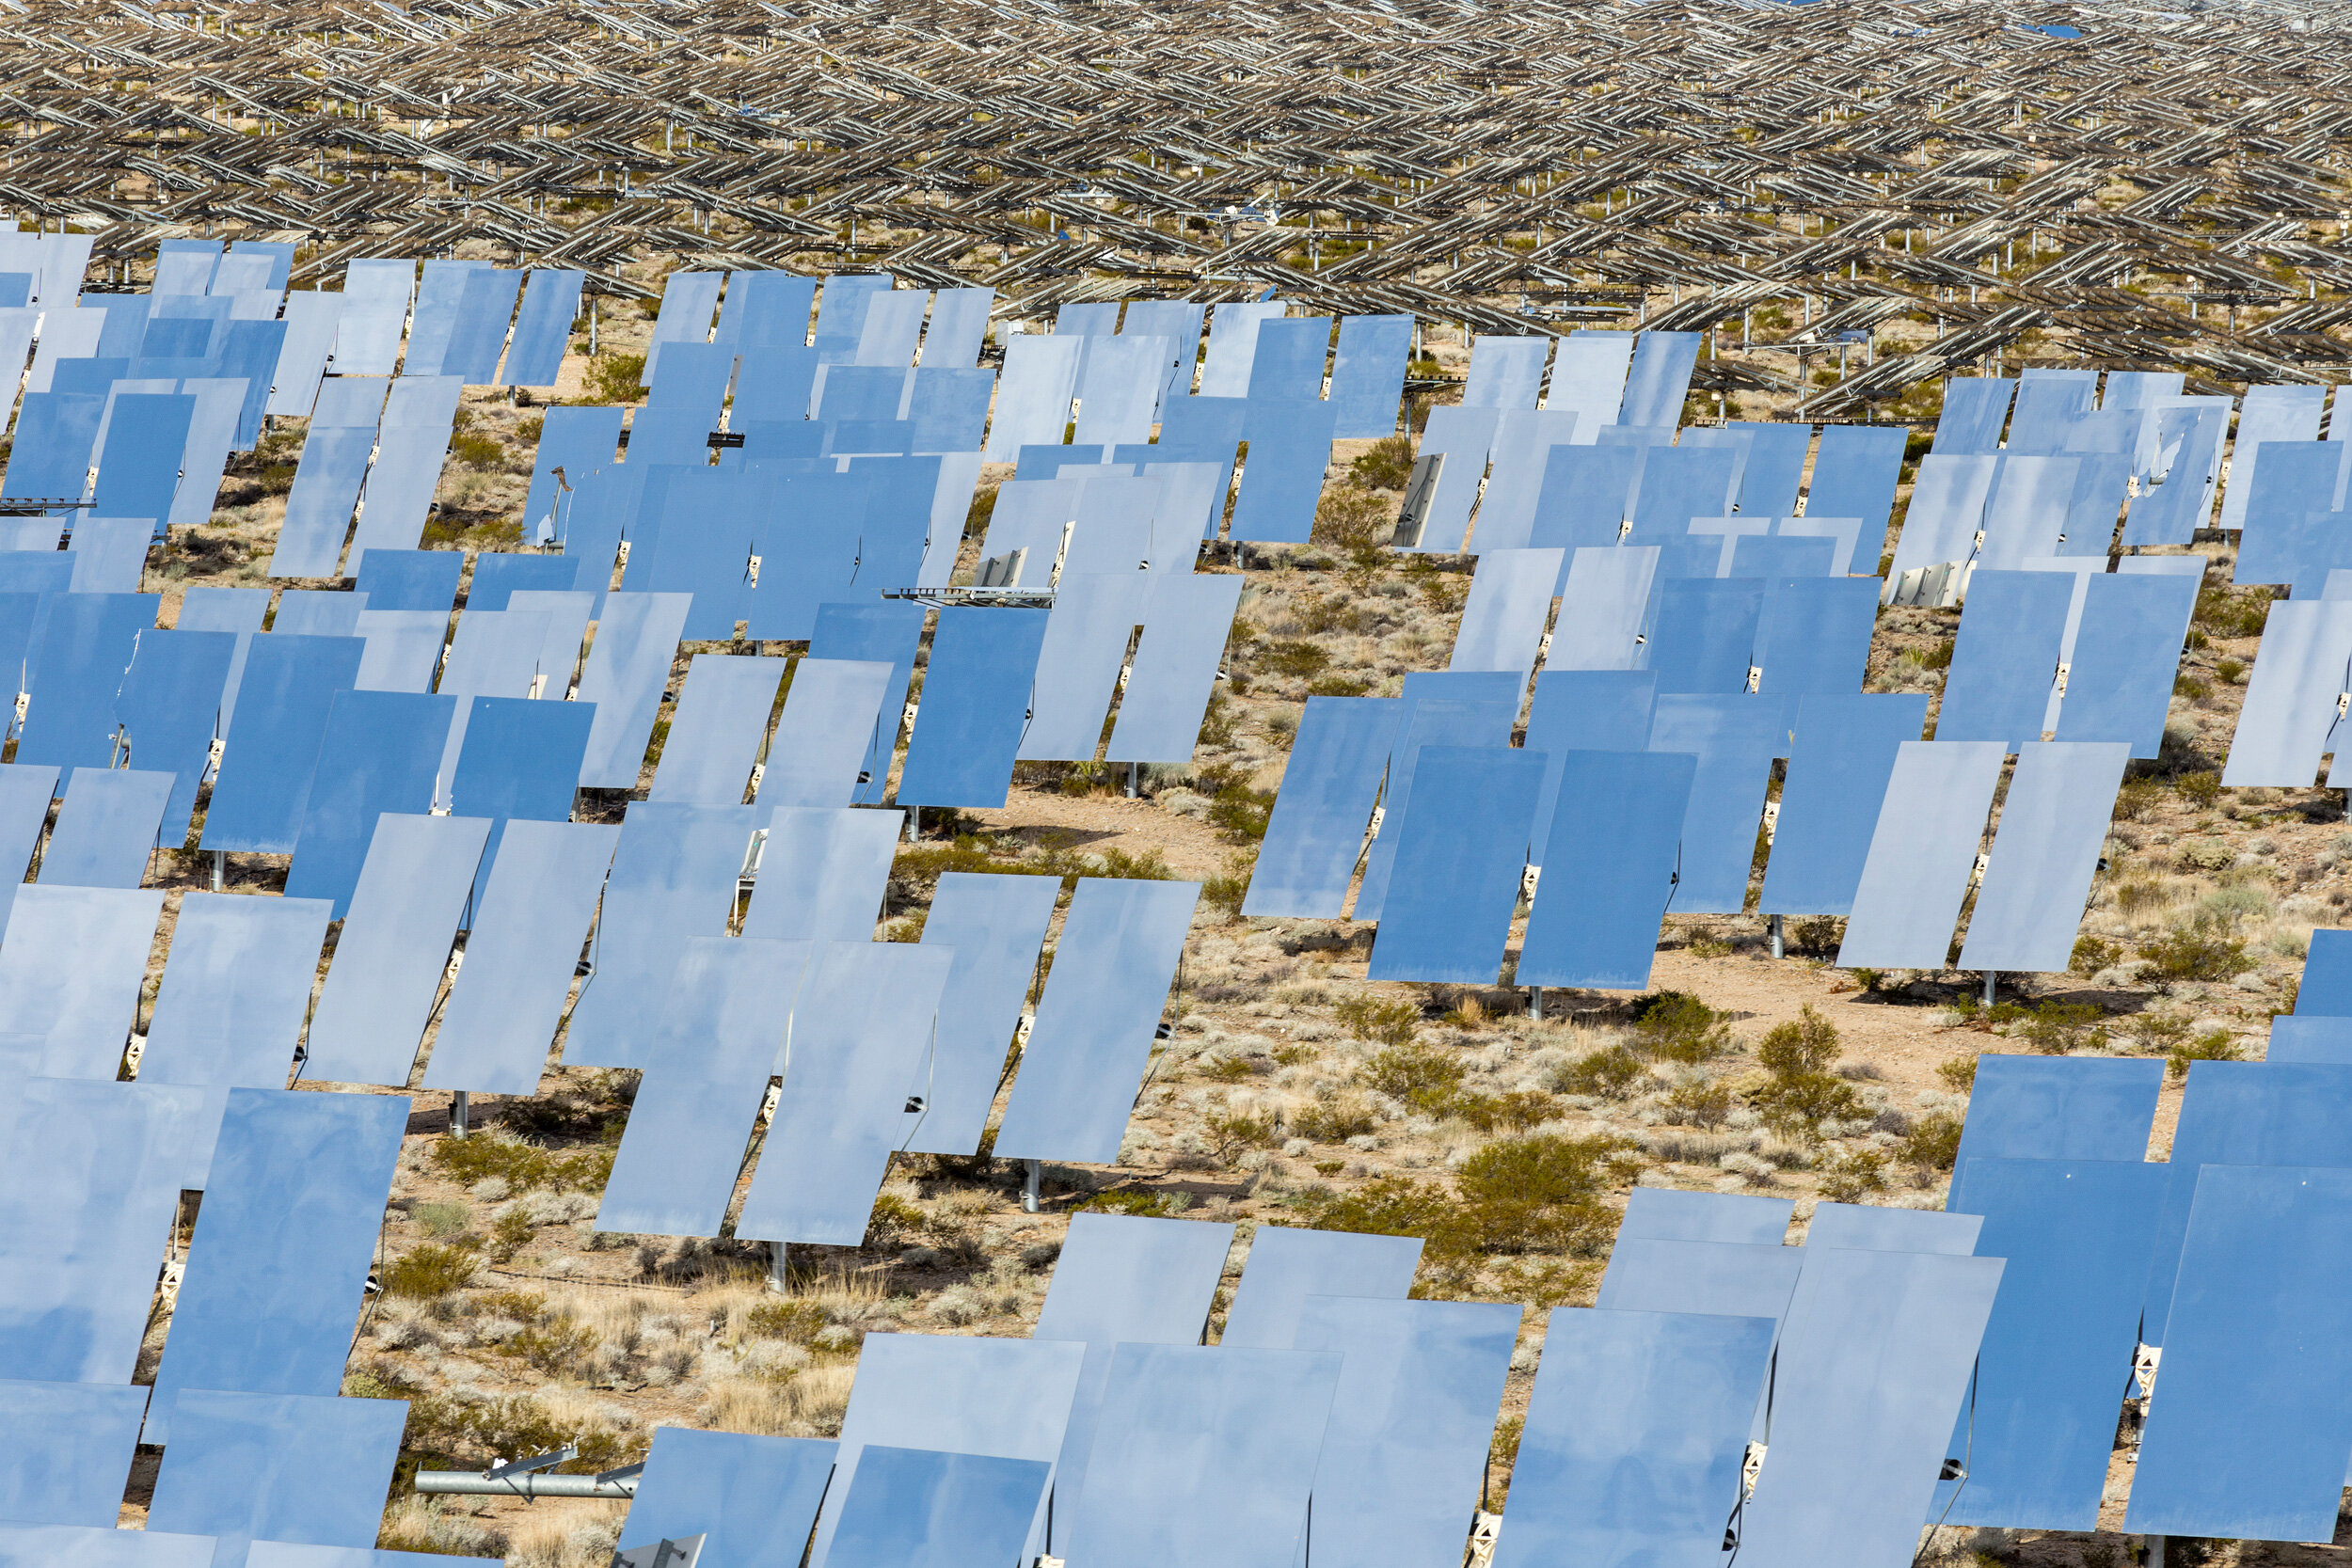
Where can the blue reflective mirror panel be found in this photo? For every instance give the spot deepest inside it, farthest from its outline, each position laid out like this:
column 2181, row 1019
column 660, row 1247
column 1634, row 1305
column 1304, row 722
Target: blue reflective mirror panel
column 139, row 459
column 1006, row 1398
column 86, row 1546
column 823, row 873
column 1814, row 635
column 73, row 670
column 1460, row 709
column 996, row 926
column 1122, row 1279
column 579, row 441
column 2005, row 658
column 1233, row 344
column 404, row 649
column 542, row 327
column 272, row 749
column 2290, row 707
column 71, row 969
column 1506, row 512
column 1286, row 1266
column 1505, row 371
column 913, row 1508
column 110, row 554
column 2127, row 651
column 173, row 709
column 1790, row 555
column 1186, row 621
column 1775, row 466
column 1607, row 869
column 1854, row 474
column 532, row 917
column 26, row 792
column 1119, row 388
column 1033, row 393
column 1587, row 494
column 2041, row 1425
column 1510, row 601
column 235, row 990
column 1367, row 375
column 1735, row 739
column 2242, row 1113
column 831, row 728
column 106, row 829
column 2296, row 479
column 379, row 753
column 1839, row 761
column 673, row 878
column 1404, row 1456
column 292, row 1207
column 1923, row 851
column 326, row 489
column 1078, row 662
column 1872, row 1367
column 959, row 323
column 1203, row 1455
column 860, row 1036
column 1584, row 710
column 64, row 1451
column 278, row 1467
column 1316, row 834
column 1659, row 380
column 1975, row 409
column 411, row 896
column 1663, row 1213
column 1120, row 946
column 1678, row 484
column 2078, row 1108
column 628, row 667
column 400, row 485
column 2249, row 1436
column 1588, row 373
column 1464, row 435
column 679, row 1159
column 1287, row 363
column 873, row 632
column 2325, row 990
column 56, row 434
column 1862, row 1227
column 1290, row 445
column 286, row 1554
column 751, row 1499
column 567, row 612
column 91, row 1174
column 723, row 1023
column 2054, row 823
column 2025, row 514
column 1719, row 1279
column 411, row 579
column 318, row 612
column 976, row 702
column 520, row 759
column 1633, row 1439
column 2311, row 1040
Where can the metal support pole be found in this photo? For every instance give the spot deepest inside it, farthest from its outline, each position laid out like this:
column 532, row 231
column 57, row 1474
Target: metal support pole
column 460, row 1107
column 1989, row 977
column 1132, row 769
column 1776, row 943
column 220, row 869
column 2156, row 1551
column 1029, row 1190
column 1535, row 1003
column 779, row 1267
column 914, row 823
